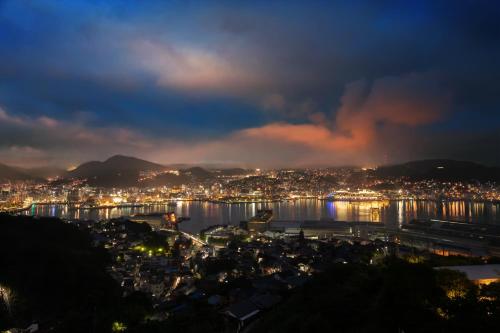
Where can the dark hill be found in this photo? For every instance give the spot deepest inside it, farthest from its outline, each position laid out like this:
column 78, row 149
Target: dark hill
column 55, row 276
column 197, row 173
column 166, row 179
column 11, row 173
column 123, row 171
column 441, row 169
column 8, row 173
column 116, row 171
column 395, row 296
column 233, row 172
column 45, row 172
column 114, row 164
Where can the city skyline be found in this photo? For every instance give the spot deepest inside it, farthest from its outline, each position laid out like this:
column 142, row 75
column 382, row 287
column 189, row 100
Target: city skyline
column 250, row 84
column 249, row 166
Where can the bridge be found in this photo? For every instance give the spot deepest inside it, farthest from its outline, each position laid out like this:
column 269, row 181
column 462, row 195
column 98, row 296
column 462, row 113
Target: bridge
column 195, row 239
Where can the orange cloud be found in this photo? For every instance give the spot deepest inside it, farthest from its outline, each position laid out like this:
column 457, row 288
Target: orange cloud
column 369, row 116
column 411, row 100
column 313, row 135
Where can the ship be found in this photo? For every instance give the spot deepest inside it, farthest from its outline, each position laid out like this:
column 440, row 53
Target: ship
column 363, row 195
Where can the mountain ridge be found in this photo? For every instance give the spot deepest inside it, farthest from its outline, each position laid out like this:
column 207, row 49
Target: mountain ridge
column 115, row 163
column 121, row 170
column 116, row 171
column 439, row 169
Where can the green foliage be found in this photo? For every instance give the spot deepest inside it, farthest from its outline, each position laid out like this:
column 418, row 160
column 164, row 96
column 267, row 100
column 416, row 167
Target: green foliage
column 197, row 318
column 155, row 241
column 118, row 327
column 455, row 284
column 236, row 241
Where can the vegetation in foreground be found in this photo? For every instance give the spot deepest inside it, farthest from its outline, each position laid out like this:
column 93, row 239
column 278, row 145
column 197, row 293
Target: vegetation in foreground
column 394, row 296
column 55, row 277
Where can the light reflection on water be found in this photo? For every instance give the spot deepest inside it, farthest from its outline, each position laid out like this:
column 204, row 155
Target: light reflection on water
column 204, row 214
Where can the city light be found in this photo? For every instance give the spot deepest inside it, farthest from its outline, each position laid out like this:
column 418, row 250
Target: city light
column 6, row 297
column 249, row 166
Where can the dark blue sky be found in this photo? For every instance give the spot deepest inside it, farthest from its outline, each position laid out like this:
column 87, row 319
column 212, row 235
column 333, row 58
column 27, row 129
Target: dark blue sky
column 255, row 83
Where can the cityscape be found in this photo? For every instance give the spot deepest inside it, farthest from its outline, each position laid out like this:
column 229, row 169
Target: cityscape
column 240, row 167
column 241, row 186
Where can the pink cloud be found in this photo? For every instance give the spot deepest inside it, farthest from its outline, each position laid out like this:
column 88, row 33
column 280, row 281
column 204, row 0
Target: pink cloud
column 48, row 122
column 411, row 101
column 360, row 131
column 9, row 119
column 313, row 135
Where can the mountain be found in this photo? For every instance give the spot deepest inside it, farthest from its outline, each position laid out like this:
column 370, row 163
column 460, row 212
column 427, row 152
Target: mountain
column 197, row 173
column 8, row 173
column 46, row 172
column 233, row 172
column 440, row 169
column 115, row 164
column 11, row 173
column 117, row 171
column 124, row 171
column 185, row 176
column 166, row 179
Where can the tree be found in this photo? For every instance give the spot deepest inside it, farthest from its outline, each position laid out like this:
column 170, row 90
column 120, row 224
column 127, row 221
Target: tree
column 56, row 276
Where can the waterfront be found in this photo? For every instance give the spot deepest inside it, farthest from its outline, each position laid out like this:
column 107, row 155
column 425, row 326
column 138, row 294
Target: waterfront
column 204, row 214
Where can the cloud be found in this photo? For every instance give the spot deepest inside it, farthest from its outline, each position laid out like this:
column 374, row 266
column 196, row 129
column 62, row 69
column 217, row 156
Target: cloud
column 45, row 140
column 9, row 119
column 269, row 77
column 192, row 69
column 312, row 135
column 369, row 115
column 408, row 101
column 273, row 102
column 48, row 122
column 356, row 131
column 411, row 100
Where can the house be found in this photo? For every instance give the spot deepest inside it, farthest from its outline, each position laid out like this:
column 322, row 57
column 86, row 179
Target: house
column 246, row 310
column 243, row 311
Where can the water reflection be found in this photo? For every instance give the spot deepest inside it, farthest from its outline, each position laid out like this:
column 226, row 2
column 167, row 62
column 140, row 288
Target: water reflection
column 204, row 214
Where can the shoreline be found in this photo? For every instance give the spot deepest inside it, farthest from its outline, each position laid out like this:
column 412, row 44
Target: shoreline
column 241, row 202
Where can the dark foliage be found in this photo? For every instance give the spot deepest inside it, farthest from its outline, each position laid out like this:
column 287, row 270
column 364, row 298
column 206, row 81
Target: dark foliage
column 393, row 297
column 56, row 277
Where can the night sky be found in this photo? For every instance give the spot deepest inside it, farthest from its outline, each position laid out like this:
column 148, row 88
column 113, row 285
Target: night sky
column 250, row 83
